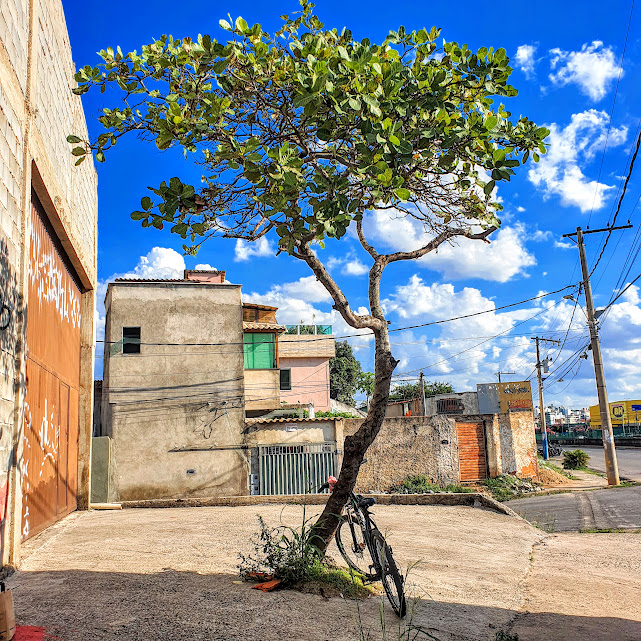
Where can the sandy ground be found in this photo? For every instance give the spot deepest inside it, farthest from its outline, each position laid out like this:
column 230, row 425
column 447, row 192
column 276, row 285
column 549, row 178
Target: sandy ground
column 161, row 574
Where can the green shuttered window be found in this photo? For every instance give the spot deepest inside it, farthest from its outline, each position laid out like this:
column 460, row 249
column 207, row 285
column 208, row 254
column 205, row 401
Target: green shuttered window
column 260, row 351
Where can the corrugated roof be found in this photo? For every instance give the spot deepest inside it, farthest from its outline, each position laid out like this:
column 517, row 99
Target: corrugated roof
column 253, row 421
column 264, row 327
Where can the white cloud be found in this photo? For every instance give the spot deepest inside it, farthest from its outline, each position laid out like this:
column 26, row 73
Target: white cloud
column 558, row 172
column 541, row 236
column 561, row 244
column 205, row 267
column 592, row 69
column 525, row 59
column 349, row 265
column 500, row 260
column 306, row 288
column 520, row 209
column 245, row 250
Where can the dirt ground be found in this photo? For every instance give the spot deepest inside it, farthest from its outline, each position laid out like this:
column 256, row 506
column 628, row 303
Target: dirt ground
column 168, row 574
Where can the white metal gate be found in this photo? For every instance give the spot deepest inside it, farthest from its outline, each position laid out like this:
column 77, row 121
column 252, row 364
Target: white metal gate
column 295, row 469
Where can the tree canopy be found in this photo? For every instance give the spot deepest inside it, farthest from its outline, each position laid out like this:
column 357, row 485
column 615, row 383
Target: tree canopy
column 344, row 374
column 410, row 391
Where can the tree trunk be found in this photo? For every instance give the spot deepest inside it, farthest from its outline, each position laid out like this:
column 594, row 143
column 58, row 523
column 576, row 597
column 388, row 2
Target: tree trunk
column 356, row 445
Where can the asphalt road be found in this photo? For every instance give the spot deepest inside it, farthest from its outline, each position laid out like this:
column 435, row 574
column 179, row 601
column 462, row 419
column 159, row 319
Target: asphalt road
column 628, row 458
column 611, row 509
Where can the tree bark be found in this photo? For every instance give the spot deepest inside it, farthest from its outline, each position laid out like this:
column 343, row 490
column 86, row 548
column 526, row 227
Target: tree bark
column 356, row 446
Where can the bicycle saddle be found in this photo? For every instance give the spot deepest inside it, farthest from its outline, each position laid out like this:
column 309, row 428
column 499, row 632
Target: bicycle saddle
column 364, row 502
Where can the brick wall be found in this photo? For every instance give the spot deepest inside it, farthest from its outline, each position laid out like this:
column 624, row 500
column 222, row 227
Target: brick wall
column 404, row 446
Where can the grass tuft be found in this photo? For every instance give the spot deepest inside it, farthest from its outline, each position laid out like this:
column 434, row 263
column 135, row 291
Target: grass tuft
column 421, row 484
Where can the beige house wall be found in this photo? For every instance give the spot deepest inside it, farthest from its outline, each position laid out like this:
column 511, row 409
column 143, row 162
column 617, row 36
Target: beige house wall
column 37, row 112
column 176, row 412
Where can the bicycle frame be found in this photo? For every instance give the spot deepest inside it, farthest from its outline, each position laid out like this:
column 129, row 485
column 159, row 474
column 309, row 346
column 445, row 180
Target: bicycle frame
column 367, row 525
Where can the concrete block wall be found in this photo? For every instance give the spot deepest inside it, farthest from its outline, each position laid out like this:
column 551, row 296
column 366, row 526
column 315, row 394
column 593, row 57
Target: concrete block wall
column 404, row 446
column 37, row 112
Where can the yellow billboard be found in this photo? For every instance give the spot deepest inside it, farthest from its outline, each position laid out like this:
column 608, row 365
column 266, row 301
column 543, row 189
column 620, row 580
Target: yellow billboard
column 621, row 413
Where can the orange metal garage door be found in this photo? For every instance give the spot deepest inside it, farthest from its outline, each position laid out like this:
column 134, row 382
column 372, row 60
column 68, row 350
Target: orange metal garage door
column 471, row 451
column 49, row 466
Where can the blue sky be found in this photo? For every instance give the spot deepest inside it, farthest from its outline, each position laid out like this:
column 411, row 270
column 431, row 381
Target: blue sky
column 566, row 65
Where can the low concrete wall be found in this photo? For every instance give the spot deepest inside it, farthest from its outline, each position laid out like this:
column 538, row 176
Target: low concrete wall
column 472, row 499
column 408, row 445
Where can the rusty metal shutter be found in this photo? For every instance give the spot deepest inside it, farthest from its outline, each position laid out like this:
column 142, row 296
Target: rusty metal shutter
column 471, row 451
column 49, row 465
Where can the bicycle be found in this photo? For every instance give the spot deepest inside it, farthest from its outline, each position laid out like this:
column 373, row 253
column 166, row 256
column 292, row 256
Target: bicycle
column 357, row 535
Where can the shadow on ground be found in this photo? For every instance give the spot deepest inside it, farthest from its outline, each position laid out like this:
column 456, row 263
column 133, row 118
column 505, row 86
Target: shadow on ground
column 170, row 605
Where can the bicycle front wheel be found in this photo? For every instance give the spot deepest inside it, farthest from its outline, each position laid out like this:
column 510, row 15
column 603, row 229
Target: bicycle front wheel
column 352, row 546
column 390, row 575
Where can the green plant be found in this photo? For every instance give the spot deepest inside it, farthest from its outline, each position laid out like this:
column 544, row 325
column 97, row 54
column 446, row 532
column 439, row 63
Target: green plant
column 409, row 391
column 335, row 415
column 575, row 459
column 291, row 555
column 421, row 484
column 507, row 487
column 502, row 635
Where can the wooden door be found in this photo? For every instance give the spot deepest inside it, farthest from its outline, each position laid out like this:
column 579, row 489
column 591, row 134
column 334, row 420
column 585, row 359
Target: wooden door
column 50, row 451
column 471, row 451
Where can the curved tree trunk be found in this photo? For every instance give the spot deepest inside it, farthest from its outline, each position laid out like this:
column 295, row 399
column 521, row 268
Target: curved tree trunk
column 355, row 446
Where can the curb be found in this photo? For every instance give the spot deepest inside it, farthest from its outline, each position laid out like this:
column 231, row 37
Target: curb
column 471, row 499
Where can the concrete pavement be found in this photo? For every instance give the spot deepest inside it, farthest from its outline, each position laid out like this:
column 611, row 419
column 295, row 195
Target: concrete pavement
column 611, row 509
column 159, row 574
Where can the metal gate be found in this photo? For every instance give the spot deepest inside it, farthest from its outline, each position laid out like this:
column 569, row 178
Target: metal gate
column 295, row 469
column 471, row 451
column 49, row 465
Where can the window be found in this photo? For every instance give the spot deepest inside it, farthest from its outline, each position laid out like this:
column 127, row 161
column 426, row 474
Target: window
column 260, row 351
column 285, row 379
column 131, row 340
column 449, row 406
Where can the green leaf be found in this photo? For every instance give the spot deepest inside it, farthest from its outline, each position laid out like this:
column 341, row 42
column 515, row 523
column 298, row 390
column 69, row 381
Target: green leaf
column 403, row 194
column 138, row 215
column 225, row 25
column 489, row 187
column 80, row 160
column 100, row 156
column 491, row 122
column 146, row 203
column 73, row 139
column 78, row 151
column 241, row 25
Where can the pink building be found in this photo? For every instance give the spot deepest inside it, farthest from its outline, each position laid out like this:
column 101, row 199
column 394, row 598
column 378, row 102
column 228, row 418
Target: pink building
column 303, row 360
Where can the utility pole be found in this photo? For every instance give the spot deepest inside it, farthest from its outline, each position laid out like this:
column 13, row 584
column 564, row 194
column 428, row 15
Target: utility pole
column 499, row 374
column 607, row 434
column 539, row 365
column 422, row 385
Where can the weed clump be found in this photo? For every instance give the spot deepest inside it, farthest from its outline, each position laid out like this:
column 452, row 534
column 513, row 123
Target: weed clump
column 507, row 487
column 291, row 555
column 421, row 484
column 575, row 460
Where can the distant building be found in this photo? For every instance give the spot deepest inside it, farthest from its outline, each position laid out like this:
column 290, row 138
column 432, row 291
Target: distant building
column 187, row 365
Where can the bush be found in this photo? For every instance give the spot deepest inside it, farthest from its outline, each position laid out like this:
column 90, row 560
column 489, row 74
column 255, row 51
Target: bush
column 421, row 484
column 575, row 459
column 335, row 415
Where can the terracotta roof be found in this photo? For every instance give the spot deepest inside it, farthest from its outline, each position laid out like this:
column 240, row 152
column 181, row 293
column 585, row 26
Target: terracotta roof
column 254, row 306
column 266, row 327
column 253, row 421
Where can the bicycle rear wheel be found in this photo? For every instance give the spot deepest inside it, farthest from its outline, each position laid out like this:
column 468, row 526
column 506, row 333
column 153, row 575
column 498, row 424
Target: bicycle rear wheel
column 352, row 546
column 390, row 575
